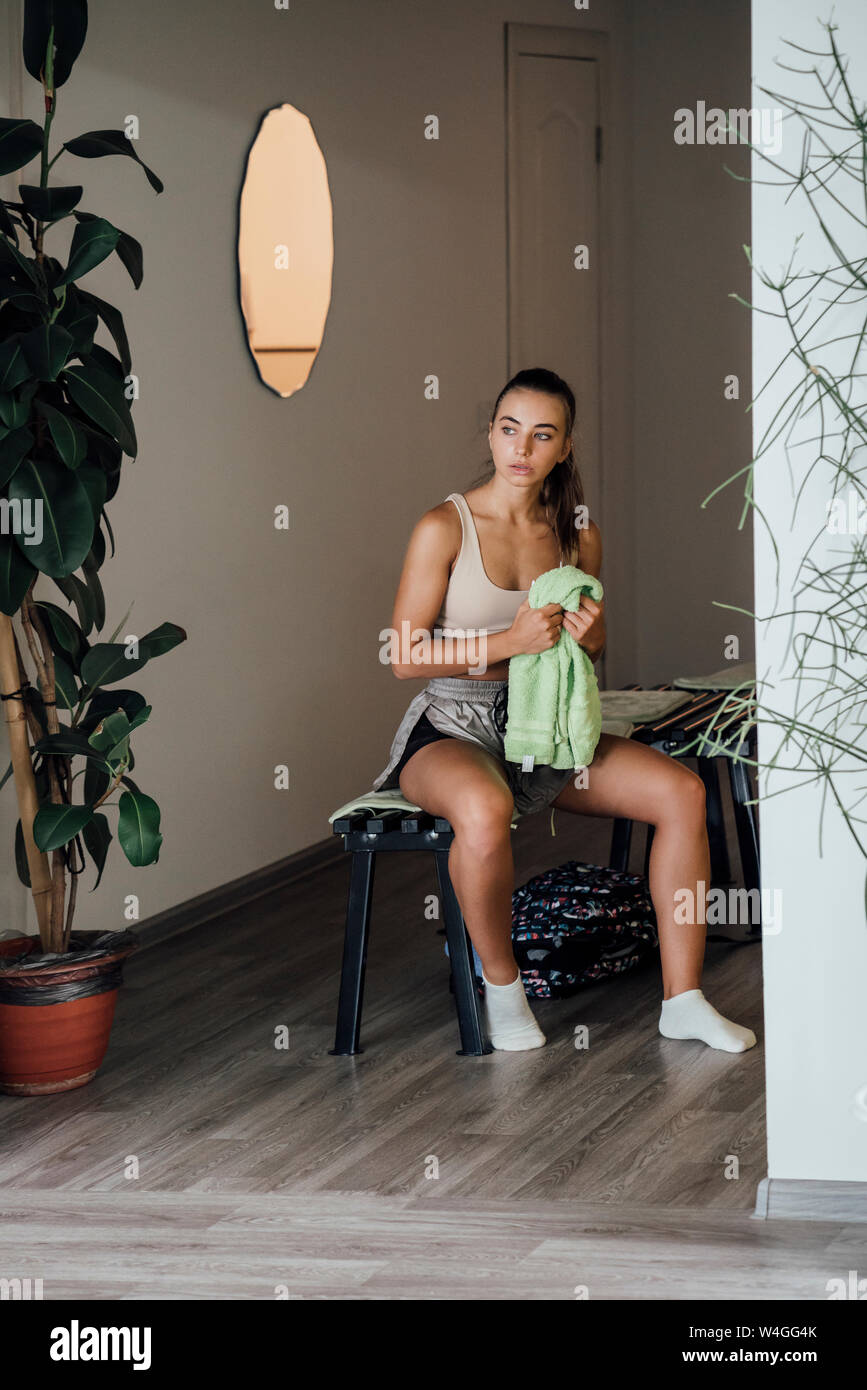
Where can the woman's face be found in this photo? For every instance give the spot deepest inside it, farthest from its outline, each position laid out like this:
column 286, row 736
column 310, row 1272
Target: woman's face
column 528, row 437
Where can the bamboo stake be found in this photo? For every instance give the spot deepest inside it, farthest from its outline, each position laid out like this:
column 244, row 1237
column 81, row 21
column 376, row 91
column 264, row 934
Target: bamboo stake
column 25, row 784
column 33, row 626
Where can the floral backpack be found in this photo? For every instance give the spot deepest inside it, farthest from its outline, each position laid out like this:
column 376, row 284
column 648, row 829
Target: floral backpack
column 578, row 923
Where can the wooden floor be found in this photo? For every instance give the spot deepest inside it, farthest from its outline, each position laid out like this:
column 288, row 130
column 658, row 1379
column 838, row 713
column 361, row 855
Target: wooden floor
column 137, row 1244
column 206, row 1161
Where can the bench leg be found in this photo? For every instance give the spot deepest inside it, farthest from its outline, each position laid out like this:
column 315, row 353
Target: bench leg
column 621, row 839
column 648, row 845
column 720, row 871
column 356, row 936
column 748, row 836
column 474, row 1042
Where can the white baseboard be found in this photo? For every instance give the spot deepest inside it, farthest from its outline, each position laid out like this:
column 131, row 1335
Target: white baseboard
column 802, row 1199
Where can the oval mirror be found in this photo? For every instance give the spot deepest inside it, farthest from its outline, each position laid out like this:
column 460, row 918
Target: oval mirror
column 285, row 249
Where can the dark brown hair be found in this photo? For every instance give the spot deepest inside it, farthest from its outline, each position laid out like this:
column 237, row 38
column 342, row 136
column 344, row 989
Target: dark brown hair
column 561, row 491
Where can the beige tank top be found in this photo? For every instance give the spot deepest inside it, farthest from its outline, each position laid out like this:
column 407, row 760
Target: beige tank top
column 471, row 600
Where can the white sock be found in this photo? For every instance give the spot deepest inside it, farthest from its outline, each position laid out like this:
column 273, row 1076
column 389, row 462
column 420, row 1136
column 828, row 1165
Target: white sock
column 690, row 1015
column 510, row 1023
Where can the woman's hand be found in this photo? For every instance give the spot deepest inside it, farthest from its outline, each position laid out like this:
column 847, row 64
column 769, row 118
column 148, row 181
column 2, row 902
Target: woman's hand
column 536, row 629
column 587, row 626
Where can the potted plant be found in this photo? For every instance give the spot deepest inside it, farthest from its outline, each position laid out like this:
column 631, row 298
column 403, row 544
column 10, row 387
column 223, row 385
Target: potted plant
column 65, row 425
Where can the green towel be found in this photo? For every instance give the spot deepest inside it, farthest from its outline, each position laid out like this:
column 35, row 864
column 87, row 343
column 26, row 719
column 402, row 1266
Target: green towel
column 554, row 711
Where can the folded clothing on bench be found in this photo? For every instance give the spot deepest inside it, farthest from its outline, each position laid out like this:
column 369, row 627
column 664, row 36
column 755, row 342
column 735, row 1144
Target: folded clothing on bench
column 373, row 802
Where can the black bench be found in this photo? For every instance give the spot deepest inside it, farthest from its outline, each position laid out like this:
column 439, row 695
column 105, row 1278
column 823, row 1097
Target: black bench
column 365, row 836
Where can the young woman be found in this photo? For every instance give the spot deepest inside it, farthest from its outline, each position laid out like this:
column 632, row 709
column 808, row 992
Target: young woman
column 469, row 566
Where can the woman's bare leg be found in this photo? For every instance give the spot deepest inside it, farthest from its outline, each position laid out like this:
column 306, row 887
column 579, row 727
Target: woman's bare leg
column 466, row 784
column 461, row 781
column 640, row 783
column 630, row 780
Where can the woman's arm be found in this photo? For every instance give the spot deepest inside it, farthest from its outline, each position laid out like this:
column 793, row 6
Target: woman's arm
column 423, row 583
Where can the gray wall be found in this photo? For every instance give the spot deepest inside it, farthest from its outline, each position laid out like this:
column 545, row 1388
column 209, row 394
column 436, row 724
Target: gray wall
column 282, row 662
column 690, row 220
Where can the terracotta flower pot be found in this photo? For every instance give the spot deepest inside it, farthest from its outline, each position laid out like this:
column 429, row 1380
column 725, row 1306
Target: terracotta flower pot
column 56, row 1046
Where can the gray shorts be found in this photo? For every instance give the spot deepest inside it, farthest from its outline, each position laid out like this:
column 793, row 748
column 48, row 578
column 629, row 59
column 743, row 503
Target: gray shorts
column 472, row 710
